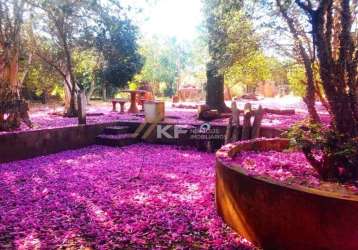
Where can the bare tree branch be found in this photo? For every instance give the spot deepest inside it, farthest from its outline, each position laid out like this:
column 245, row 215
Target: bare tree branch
column 306, row 6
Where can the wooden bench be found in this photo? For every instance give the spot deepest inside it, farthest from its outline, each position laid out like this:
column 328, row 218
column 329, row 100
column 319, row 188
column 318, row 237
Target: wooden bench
column 121, row 102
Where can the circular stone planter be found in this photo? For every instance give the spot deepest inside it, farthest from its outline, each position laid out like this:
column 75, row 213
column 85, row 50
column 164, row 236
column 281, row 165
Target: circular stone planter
column 273, row 215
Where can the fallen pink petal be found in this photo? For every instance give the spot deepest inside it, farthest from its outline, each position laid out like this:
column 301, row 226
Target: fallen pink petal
column 177, row 124
column 141, row 196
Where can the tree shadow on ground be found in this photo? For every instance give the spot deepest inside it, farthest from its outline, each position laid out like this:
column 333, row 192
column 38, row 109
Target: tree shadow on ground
column 89, row 198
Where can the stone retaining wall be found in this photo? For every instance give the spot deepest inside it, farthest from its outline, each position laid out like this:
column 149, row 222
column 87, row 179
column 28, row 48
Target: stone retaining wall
column 28, row 144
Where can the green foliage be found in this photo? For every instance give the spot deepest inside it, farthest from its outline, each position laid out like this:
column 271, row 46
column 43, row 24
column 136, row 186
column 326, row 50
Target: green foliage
column 58, row 91
column 333, row 155
column 231, row 38
column 42, row 80
column 132, row 86
column 306, row 132
column 231, row 43
column 254, row 69
column 165, row 61
column 117, row 41
column 91, row 41
column 86, row 64
column 249, row 72
column 297, row 79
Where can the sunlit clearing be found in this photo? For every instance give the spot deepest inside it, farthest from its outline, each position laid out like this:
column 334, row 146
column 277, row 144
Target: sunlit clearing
column 170, row 176
column 29, row 242
column 141, row 198
column 178, row 18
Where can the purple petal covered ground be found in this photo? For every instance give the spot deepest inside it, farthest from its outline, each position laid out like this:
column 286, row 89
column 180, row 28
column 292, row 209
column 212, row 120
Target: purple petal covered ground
column 138, row 197
column 289, row 168
column 43, row 118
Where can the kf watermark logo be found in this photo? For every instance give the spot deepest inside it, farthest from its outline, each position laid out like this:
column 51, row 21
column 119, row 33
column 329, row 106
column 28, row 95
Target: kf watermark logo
column 162, row 131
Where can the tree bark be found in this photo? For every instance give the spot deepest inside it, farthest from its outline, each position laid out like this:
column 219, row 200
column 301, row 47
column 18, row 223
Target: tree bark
column 71, row 80
column 309, row 98
column 71, row 109
column 44, row 96
column 338, row 75
column 322, row 99
column 10, row 87
column 331, row 23
column 104, row 91
column 310, row 102
column 90, row 91
column 215, row 89
column 27, row 69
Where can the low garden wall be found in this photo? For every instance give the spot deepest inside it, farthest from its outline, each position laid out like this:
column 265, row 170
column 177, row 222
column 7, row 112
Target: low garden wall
column 27, row 144
column 274, row 215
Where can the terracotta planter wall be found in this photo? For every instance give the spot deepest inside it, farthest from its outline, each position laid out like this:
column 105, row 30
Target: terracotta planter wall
column 276, row 216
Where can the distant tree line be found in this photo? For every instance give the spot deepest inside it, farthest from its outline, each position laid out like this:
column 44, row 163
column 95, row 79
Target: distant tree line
column 65, row 47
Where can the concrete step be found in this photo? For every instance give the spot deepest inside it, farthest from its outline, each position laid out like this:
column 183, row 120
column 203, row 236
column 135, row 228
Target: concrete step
column 116, row 130
column 116, row 140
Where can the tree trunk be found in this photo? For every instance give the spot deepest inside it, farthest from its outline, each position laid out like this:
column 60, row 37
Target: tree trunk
column 337, row 74
column 337, row 55
column 82, row 101
column 10, row 87
column 67, row 96
column 90, row 91
column 70, row 80
column 215, row 89
column 71, row 109
column 27, row 69
column 104, row 91
column 309, row 99
column 322, row 99
column 44, row 96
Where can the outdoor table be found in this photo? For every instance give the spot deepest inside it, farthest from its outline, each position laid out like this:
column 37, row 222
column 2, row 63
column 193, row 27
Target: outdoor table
column 121, row 102
column 133, row 93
